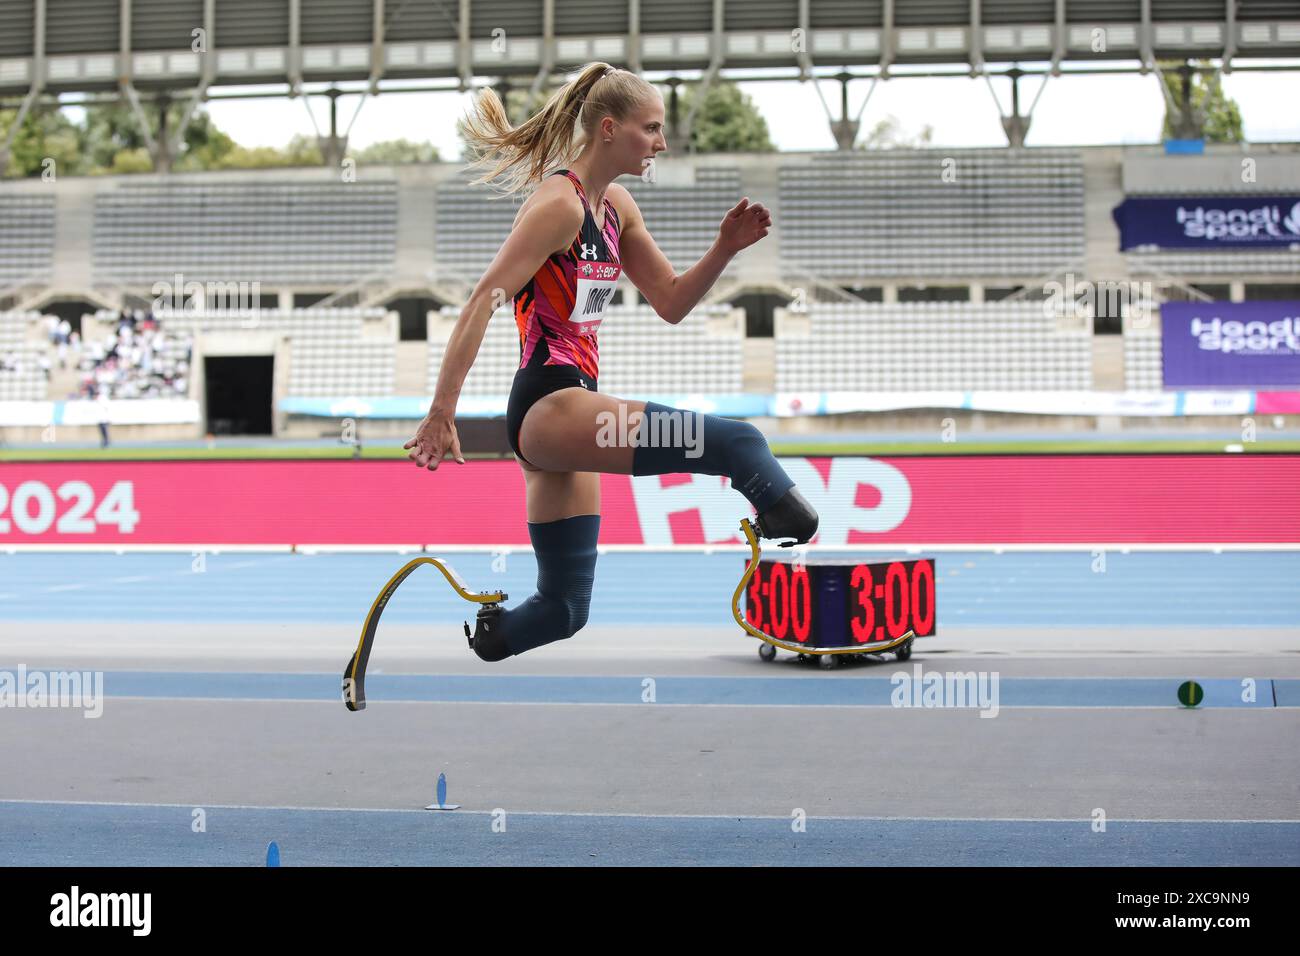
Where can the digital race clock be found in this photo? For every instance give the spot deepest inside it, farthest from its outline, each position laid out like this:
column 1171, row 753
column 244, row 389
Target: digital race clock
column 828, row 602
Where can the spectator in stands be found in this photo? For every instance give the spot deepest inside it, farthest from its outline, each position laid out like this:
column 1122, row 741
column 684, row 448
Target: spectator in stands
column 138, row 360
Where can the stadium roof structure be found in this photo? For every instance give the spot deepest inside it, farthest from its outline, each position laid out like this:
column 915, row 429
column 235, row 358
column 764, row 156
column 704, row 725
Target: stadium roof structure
column 157, row 47
column 79, row 45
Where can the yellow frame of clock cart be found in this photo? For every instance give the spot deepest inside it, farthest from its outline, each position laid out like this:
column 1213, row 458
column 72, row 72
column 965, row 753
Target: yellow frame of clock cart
column 751, row 536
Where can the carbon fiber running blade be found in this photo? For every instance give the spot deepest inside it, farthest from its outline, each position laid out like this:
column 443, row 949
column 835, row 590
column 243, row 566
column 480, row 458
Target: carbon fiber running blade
column 354, row 688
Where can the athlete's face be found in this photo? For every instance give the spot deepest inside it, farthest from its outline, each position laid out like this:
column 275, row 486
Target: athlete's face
column 640, row 137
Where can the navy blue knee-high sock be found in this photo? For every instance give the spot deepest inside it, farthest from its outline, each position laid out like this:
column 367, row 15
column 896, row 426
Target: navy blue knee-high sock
column 566, row 569
column 717, row 446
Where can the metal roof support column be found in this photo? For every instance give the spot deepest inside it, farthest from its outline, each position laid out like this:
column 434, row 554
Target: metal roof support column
column 1060, row 46
column 295, row 47
column 802, row 54
column 634, row 35
column 207, row 74
column 547, row 59
column 1145, row 41
column 976, row 39
column 1230, row 28
column 378, row 50
column 716, row 59
column 157, row 148
column 887, row 39
column 33, row 90
column 463, row 48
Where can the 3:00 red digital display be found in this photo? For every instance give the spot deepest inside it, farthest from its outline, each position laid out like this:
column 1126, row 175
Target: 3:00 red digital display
column 779, row 601
column 827, row 603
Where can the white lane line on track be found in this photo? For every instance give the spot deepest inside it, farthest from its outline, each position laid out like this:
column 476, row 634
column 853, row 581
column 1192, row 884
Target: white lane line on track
column 641, row 704
column 137, row 578
column 665, row 816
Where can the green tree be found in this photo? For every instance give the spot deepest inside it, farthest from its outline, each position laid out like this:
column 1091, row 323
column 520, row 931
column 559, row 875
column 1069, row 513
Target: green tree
column 208, row 153
column 108, row 141
column 1222, row 115
column 126, row 161
column 888, row 133
column 394, row 152
column 301, row 150
column 107, row 129
column 111, row 127
column 726, row 122
column 46, row 133
column 252, row 157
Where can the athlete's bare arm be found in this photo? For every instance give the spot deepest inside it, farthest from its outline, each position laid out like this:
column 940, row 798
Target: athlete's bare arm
column 671, row 295
column 550, row 224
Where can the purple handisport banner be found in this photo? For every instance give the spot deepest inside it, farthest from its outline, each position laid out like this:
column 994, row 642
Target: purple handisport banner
column 1208, row 222
column 1230, row 344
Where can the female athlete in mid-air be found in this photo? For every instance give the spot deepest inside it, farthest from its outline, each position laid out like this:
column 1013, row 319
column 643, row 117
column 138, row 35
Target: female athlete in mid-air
column 572, row 239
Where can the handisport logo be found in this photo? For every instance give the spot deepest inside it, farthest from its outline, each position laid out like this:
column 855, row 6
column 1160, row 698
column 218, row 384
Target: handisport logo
column 1279, row 337
column 36, row 689
column 1238, row 222
column 75, row 908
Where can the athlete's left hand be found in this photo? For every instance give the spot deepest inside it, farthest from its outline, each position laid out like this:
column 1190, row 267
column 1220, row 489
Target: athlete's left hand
column 744, row 225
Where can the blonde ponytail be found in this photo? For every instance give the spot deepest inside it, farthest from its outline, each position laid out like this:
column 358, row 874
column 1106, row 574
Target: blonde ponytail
column 547, row 140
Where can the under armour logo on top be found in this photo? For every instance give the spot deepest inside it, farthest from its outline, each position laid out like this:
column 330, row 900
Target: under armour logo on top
column 588, row 251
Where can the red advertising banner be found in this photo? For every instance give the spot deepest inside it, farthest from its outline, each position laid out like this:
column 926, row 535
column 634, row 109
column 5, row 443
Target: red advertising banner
column 1047, row 499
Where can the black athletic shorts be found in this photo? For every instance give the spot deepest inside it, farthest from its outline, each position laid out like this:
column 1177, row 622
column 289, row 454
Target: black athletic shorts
column 530, row 384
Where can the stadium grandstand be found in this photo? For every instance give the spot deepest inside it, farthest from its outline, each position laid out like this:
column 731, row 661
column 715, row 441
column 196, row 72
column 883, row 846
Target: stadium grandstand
column 281, row 300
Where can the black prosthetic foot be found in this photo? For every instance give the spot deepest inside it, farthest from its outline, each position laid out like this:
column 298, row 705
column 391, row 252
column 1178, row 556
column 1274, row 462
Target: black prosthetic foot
column 489, row 641
column 791, row 517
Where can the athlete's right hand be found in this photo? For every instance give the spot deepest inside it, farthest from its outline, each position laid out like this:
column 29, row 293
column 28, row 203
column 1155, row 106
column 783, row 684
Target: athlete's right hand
column 434, row 440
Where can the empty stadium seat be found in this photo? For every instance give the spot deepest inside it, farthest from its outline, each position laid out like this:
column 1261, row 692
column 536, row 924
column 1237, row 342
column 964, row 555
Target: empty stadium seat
column 244, row 230
column 886, row 214
column 932, row 346
column 26, row 382
column 1143, row 371
column 26, row 237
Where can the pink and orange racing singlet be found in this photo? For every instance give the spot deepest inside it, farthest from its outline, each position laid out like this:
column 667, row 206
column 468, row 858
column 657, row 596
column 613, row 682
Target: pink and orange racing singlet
column 560, row 309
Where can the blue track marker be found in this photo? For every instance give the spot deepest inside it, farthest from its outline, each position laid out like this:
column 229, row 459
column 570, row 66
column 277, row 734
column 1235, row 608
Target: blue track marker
column 442, row 803
column 272, row 854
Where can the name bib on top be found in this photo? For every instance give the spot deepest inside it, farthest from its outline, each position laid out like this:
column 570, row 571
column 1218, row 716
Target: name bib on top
column 596, row 282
